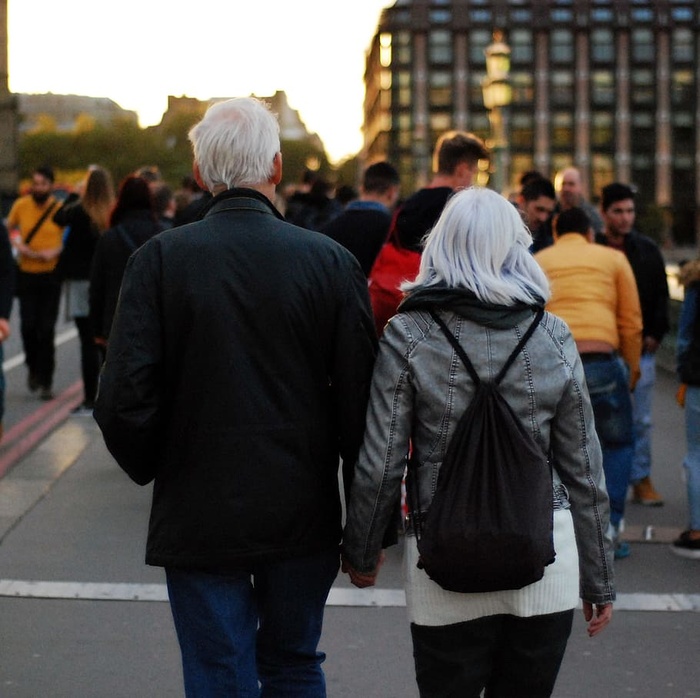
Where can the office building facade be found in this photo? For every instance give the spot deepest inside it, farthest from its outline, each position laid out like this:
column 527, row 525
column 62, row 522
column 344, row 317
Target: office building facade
column 608, row 86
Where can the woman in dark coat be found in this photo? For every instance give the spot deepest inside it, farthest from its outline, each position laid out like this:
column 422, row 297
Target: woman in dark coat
column 133, row 221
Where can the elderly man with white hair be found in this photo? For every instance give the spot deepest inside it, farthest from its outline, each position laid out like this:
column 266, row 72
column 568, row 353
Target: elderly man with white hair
column 236, row 377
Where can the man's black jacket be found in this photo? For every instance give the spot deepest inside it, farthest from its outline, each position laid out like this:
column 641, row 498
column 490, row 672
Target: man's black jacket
column 649, row 270
column 237, row 374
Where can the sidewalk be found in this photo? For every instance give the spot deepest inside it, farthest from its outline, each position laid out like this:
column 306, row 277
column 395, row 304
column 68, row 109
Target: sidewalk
column 82, row 615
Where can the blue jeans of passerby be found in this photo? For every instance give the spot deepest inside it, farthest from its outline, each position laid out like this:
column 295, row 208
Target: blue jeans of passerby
column 608, row 385
column 691, row 463
column 255, row 632
column 641, row 413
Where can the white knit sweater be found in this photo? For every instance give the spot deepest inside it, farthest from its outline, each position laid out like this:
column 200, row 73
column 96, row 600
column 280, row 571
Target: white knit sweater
column 429, row 604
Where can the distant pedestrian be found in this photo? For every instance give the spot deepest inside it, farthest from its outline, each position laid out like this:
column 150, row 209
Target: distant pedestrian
column 594, row 292
column 236, row 377
column 456, row 159
column 569, row 187
column 38, row 243
column 86, row 217
column 688, row 358
column 647, row 262
column 133, row 221
column 363, row 226
column 509, row 642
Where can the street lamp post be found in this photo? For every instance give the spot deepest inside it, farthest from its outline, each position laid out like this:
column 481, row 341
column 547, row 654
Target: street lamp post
column 497, row 97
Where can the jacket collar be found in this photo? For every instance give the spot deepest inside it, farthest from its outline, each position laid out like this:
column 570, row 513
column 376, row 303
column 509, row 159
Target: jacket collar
column 240, row 198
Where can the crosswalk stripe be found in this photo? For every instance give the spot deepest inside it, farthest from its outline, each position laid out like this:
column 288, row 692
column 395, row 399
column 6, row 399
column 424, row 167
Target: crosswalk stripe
column 339, row 596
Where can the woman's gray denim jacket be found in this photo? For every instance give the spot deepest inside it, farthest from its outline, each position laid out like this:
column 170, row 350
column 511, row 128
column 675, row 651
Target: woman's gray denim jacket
column 420, row 389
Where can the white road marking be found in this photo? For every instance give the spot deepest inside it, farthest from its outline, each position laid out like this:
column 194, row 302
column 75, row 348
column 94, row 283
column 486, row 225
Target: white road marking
column 18, row 359
column 339, row 596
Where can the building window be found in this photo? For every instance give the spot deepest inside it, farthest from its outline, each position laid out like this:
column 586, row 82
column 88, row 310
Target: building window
column 521, row 46
column 562, row 15
column 682, row 45
column 476, row 93
column 643, row 45
column 403, row 83
column 479, row 124
column 402, row 47
column 440, row 122
column 440, row 16
column 604, row 15
column 683, row 14
column 440, row 46
column 602, row 87
column 520, row 16
column 522, row 130
column 480, row 16
column 643, row 87
column 642, row 14
column 479, row 39
column 602, row 46
column 561, row 48
column 643, row 119
column 682, row 88
column 563, row 130
column 682, row 119
column 602, row 130
column 440, row 88
column 562, row 91
column 522, row 87
column 602, row 172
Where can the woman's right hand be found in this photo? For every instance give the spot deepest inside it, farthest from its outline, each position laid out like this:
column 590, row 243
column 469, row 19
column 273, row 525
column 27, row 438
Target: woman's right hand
column 597, row 616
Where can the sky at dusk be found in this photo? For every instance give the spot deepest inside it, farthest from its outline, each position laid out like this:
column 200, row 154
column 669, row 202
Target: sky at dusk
column 137, row 52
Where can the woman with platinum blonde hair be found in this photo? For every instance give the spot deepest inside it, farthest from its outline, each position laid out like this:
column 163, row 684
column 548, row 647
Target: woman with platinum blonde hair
column 477, row 276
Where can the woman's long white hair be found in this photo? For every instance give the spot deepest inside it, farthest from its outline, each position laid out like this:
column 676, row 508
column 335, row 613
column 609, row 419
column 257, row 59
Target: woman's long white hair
column 480, row 243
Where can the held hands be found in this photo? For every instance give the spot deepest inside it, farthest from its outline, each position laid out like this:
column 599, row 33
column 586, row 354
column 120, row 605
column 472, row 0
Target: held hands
column 359, row 579
column 5, row 330
column 597, row 617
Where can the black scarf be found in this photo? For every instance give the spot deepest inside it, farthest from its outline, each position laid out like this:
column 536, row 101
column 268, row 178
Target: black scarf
column 466, row 304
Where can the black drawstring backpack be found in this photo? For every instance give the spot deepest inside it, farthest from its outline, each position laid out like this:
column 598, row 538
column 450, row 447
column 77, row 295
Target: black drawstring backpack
column 489, row 526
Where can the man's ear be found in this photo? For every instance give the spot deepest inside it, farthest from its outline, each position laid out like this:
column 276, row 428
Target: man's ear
column 276, row 176
column 198, row 176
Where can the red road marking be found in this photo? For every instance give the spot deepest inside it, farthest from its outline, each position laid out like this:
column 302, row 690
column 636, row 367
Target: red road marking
column 25, row 435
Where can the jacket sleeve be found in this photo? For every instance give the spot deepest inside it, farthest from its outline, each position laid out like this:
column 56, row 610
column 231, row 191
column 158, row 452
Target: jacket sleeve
column 380, row 466
column 129, row 405
column 354, row 351
column 629, row 318
column 660, row 317
column 580, row 469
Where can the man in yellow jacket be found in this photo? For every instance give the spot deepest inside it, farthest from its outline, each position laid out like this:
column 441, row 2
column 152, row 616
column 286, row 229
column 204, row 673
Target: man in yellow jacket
column 38, row 242
column 594, row 291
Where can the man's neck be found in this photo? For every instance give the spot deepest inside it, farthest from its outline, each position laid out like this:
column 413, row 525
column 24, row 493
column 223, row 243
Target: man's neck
column 616, row 240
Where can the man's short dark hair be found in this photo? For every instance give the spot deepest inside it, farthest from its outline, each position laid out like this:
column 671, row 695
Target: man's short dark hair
column 380, row 177
column 45, row 171
column 529, row 176
column 573, row 220
column 456, row 147
column 612, row 193
column 537, row 187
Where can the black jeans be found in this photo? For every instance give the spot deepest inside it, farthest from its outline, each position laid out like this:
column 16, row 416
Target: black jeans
column 89, row 358
column 39, row 298
column 510, row 657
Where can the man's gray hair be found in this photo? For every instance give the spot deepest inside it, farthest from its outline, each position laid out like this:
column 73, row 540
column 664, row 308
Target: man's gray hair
column 480, row 243
column 235, row 143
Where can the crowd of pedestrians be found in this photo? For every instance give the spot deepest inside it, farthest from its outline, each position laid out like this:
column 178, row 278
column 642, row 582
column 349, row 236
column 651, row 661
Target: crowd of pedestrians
column 242, row 354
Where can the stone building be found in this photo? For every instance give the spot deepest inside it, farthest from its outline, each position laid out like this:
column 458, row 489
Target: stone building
column 609, row 86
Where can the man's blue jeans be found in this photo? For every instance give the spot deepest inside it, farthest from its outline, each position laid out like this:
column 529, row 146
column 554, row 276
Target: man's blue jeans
column 641, row 412
column 253, row 633
column 608, row 386
column 691, row 463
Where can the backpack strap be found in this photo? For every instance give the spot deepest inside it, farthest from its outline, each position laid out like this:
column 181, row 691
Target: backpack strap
column 465, row 359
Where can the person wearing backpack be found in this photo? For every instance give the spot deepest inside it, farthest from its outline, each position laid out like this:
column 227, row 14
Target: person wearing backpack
column 479, row 284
